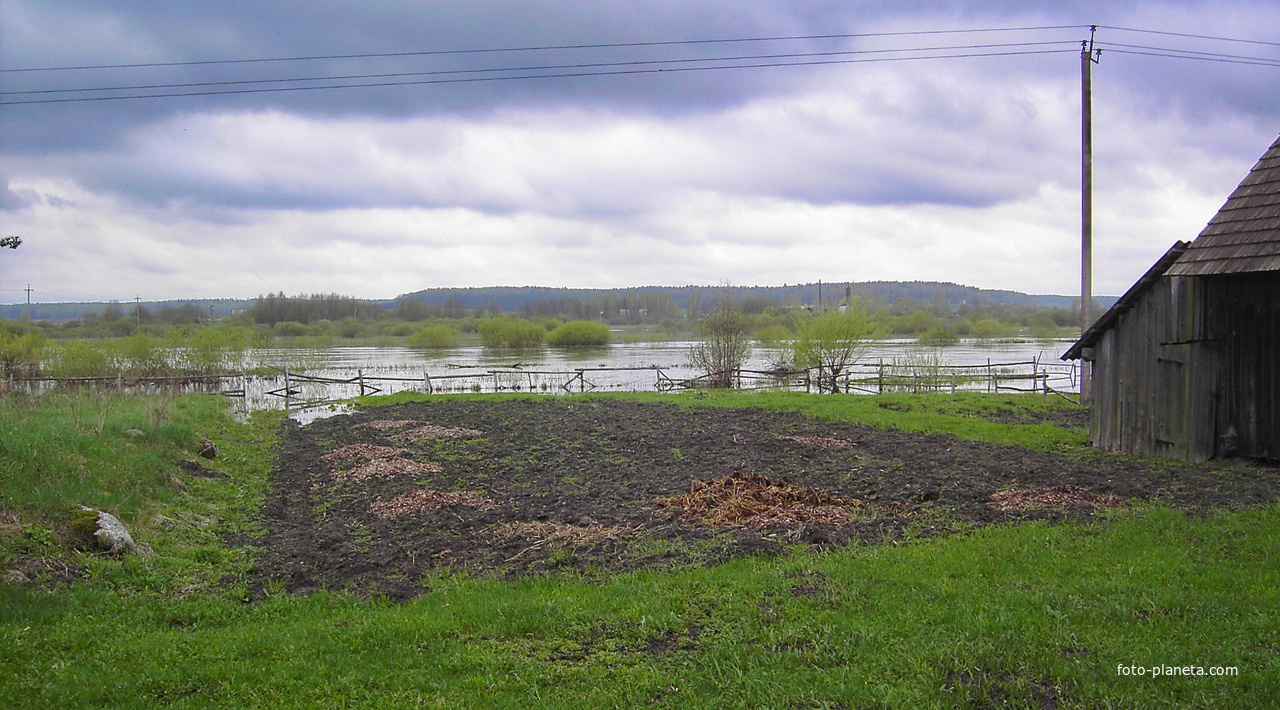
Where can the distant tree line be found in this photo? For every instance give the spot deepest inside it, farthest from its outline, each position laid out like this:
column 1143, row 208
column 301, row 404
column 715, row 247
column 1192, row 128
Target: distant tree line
column 279, row 308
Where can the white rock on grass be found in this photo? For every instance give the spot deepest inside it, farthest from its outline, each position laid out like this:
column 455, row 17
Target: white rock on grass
column 111, row 533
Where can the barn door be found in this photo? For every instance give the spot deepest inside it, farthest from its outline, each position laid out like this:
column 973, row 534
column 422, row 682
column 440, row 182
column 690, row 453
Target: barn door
column 1174, row 406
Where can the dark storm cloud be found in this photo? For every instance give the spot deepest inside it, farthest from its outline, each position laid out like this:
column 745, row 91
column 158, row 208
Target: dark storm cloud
column 75, row 34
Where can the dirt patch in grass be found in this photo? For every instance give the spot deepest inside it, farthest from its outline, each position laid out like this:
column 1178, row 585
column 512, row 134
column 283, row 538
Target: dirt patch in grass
column 432, row 431
column 1052, row 497
column 531, row 486
column 390, row 467
column 26, row 569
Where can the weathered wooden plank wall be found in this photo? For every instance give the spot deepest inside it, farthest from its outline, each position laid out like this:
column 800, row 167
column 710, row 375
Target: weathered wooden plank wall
column 1192, row 370
column 1246, row 315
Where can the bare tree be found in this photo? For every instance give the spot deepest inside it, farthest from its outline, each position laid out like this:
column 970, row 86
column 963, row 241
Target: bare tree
column 10, row 242
column 727, row 343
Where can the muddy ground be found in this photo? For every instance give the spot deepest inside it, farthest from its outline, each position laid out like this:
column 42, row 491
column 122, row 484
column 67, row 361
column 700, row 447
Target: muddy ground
column 375, row 501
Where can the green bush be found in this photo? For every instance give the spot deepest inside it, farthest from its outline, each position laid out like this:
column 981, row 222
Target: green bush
column 291, row 328
column 142, row 354
column 20, row 355
column 211, row 350
column 506, row 333
column 349, row 327
column 773, row 334
column 435, row 336
column 580, row 332
column 82, row 358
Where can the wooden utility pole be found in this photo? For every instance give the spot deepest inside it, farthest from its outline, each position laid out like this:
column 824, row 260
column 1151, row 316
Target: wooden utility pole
column 1088, row 57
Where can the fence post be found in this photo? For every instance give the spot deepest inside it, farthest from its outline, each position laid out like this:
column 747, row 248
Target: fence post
column 880, row 377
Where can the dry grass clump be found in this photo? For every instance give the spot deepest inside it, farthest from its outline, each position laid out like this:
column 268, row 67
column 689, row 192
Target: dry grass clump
column 425, row 499
column 391, row 467
column 389, row 424
column 432, row 431
column 752, row 500
column 1065, row 496
column 544, row 532
column 354, row 452
column 823, row 441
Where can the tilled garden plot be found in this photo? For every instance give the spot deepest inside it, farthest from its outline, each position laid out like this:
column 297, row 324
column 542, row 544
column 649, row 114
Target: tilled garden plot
column 377, row 500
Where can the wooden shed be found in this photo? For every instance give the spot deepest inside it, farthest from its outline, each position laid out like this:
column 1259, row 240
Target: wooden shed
column 1187, row 363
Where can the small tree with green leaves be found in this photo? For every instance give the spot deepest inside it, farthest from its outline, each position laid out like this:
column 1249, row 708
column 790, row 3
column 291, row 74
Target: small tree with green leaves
column 832, row 343
column 727, row 344
column 580, row 333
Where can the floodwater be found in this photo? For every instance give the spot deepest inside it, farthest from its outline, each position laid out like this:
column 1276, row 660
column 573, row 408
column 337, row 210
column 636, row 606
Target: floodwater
column 318, row 377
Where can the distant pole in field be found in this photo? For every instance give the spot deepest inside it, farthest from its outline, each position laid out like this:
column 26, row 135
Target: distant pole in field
column 1088, row 57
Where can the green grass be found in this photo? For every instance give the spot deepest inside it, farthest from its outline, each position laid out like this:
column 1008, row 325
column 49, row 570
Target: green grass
column 961, row 414
column 1029, row 615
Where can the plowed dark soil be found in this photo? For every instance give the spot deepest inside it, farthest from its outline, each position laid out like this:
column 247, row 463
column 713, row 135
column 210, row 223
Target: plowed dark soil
column 528, row 486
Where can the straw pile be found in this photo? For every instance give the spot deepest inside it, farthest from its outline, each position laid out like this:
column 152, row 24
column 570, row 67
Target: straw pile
column 431, row 432
column 426, row 499
column 755, row 501
column 391, row 467
column 355, row 452
column 823, row 441
column 389, row 424
column 1064, row 496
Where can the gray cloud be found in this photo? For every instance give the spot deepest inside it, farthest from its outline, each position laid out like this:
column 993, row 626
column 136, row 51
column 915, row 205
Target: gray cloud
column 657, row 178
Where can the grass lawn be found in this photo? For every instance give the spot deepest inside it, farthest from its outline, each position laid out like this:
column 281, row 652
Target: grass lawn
column 1028, row 615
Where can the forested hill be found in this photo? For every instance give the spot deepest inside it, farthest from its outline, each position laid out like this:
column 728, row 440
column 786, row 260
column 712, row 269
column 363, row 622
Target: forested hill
column 519, row 298
column 578, row 301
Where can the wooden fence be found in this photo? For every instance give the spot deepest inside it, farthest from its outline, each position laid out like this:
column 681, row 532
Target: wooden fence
column 302, row 389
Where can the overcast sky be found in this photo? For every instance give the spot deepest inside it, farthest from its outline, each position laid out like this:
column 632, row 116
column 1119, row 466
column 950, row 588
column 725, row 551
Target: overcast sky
column 872, row 157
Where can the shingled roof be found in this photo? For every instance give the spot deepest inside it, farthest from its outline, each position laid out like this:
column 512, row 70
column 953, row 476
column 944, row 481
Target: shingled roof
column 1245, row 234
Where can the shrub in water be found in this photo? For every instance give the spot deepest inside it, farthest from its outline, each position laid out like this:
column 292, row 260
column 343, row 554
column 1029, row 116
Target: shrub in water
column 580, row 332
column 291, row 328
column 939, row 336
column 435, row 336
column 20, row 355
column 506, row 333
column 773, row 334
column 81, row 358
column 142, row 354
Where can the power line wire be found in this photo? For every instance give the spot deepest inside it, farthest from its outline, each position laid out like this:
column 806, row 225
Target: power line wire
column 549, row 67
column 524, row 77
column 1189, row 36
column 1186, row 54
column 612, row 45
column 1176, row 55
